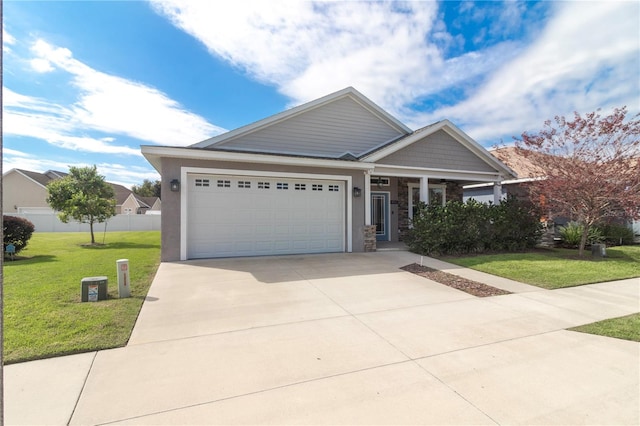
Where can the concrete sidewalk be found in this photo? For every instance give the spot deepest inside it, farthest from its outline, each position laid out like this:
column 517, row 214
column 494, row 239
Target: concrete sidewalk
column 344, row 339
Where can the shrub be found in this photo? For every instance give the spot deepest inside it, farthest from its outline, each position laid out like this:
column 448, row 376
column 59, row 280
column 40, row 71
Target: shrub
column 474, row 227
column 571, row 235
column 616, row 234
column 17, row 231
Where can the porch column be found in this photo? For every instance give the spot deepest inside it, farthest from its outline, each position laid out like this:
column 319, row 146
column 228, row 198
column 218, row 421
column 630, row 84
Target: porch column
column 497, row 192
column 367, row 198
column 424, row 189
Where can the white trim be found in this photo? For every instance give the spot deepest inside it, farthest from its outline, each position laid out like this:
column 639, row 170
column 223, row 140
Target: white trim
column 416, row 172
column 284, row 115
column 424, row 189
column 367, row 200
column 185, row 171
column 154, row 153
column 410, row 204
column 504, row 182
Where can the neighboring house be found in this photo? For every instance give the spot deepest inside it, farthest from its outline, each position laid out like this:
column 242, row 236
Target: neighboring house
column 135, row 204
column 523, row 167
column 25, row 191
column 526, row 172
column 332, row 175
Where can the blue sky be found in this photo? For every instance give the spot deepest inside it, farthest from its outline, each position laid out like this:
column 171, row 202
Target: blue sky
column 88, row 82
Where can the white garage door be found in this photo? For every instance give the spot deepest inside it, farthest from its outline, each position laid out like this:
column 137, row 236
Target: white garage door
column 252, row 216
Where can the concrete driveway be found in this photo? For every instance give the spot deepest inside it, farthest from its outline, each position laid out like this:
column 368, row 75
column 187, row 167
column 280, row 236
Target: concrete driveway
column 344, row 339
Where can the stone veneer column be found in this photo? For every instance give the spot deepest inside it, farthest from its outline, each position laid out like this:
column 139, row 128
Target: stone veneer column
column 370, row 238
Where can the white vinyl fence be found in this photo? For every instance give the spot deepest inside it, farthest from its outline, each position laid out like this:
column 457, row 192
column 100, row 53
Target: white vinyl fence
column 49, row 222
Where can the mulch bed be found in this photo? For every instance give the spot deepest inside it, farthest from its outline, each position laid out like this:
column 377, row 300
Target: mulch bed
column 459, row 283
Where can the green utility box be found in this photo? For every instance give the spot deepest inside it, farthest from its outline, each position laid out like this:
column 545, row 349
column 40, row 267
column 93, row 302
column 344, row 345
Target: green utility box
column 94, row 289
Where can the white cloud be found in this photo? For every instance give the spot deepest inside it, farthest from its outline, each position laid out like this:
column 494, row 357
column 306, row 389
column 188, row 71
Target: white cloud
column 41, row 65
column 583, row 58
column 309, row 49
column 7, row 40
column 115, row 105
column 37, row 118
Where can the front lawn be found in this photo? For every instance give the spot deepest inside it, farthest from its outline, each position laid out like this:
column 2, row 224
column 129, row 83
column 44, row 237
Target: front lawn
column 627, row 327
column 557, row 268
column 43, row 315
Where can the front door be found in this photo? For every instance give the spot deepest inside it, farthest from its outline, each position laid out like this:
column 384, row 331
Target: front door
column 380, row 215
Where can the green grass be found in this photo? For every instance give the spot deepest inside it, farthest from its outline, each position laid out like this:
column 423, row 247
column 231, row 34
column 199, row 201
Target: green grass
column 43, row 315
column 627, row 328
column 557, row 268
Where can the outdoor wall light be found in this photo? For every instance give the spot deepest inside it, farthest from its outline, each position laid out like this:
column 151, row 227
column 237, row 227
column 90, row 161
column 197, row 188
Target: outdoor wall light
column 357, row 192
column 175, row 185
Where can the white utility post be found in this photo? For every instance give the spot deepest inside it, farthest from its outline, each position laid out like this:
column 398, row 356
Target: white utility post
column 124, row 278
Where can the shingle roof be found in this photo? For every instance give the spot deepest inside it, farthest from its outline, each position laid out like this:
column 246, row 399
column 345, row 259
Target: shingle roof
column 42, row 179
column 523, row 166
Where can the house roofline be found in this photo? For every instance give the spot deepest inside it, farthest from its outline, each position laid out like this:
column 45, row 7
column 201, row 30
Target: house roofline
column 154, row 153
column 25, row 175
column 281, row 116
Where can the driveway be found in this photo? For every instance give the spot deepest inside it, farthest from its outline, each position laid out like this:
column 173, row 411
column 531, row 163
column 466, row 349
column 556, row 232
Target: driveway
column 346, row 339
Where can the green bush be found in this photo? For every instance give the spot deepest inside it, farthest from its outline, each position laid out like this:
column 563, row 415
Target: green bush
column 474, row 227
column 17, row 231
column 571, row 235
column 616, row 234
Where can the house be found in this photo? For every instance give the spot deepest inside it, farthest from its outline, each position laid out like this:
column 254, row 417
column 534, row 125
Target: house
column 135, row 204
column 527, row 172
column 522, row 166
column 25, row 191
column 337, row 174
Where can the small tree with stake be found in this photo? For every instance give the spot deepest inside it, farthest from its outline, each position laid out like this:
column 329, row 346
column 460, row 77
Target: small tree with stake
column 589, row 167
column 82, row 195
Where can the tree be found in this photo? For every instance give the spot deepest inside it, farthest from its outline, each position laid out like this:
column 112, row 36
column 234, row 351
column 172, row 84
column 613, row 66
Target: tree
column 147, row 189
column 82, row 195
column 589, row 167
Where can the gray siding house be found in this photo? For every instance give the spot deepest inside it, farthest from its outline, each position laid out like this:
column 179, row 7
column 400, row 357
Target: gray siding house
column 337, row 174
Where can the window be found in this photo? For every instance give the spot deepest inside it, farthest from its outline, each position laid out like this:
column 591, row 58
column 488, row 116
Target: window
column 202, row 182
column 224, row 184
column 244, row 184
column 379, row 181
column 300, row 187
column 282, row 185
column 437, row 195
column 316, row 187
column 263, row 185
column 334, row 188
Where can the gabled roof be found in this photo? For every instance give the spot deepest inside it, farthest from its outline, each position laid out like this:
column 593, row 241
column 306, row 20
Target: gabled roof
column 40, row 178
column 148, row 201
column 452, row 130
column 121, row 193
column 317, row 134
column 313, row 129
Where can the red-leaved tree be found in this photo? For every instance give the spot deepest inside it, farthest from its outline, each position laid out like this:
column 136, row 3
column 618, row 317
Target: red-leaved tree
column 589, row 167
